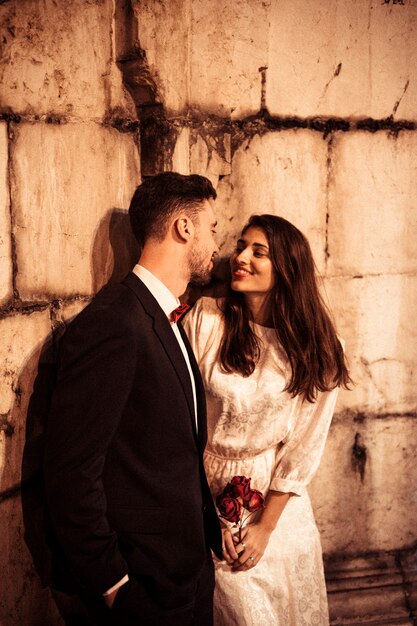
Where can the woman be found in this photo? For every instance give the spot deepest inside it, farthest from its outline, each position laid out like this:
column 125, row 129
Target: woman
column 271, row 363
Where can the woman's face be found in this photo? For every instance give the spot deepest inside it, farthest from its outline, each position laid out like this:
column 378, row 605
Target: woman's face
column 251, row 265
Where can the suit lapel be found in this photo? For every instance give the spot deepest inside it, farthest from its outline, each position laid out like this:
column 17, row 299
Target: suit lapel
column 166, row 336
column 169, row 341
column 199, row 388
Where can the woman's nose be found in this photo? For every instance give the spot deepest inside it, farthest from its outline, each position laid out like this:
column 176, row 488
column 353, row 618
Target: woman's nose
column 242, row 257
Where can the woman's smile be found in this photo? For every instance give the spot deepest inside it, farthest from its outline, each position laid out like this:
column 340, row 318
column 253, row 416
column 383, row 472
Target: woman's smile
column 251, row 260
column 241, row 272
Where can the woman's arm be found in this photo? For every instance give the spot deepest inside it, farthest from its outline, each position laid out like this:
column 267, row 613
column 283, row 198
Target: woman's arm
column 255, row 537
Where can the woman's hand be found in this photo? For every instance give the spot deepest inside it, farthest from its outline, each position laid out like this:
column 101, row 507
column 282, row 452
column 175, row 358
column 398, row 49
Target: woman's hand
column 254, row 539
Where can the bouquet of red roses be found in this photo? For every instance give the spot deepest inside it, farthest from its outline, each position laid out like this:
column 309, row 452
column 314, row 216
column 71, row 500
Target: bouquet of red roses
column 236, row 498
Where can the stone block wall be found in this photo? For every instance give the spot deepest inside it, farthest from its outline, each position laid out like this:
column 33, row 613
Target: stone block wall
column 69, row 162
column 306, row 110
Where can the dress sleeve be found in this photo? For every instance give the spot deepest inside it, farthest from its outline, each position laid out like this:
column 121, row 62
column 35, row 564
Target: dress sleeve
column 202, row 325
column 302, row 449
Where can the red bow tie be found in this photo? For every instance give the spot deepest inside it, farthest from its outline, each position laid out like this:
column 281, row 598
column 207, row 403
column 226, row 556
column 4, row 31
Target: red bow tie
column 178, row 312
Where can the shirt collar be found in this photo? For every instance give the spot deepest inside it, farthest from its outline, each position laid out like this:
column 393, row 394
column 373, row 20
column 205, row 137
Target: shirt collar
column 166, row 299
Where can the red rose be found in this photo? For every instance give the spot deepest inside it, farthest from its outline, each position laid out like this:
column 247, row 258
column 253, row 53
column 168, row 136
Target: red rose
column 230, row 491
column 229, row 508
column 241, row 486
column 255, row 501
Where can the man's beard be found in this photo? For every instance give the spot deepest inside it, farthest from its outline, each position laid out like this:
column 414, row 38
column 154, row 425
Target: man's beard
column 200, row 272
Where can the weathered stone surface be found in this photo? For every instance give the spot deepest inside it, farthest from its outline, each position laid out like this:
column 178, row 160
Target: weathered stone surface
column 22, row 600
column 205, row 153
column 210, row 155
column 164, row 32
column 68, row 182
column 280, row 173
column 343, row 59
column 63, row 314
column 206, row 55
column 372, row 208
column 57, row 58
column 409, row 567
column 368, row 590
column 21, row 340
column 5, row 243
column 229, row 46
column 375, row 315
column 69, row 310
column 310, row 55
column 376, row 511
column 371, row 590
column 181, row 154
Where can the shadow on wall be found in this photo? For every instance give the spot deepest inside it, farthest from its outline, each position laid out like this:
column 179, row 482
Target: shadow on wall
column 19, row 580
column 114, row 251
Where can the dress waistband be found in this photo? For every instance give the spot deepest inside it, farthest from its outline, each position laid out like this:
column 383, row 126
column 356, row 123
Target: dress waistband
column 244, row 455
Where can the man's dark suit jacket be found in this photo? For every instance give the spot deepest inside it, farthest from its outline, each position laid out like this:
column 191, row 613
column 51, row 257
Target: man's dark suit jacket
column 125, row 482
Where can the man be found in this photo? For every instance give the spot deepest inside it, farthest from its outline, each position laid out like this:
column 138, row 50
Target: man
column 126, row 488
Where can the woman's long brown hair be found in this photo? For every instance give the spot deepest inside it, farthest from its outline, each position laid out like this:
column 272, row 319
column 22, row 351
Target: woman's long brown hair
column 299, row 316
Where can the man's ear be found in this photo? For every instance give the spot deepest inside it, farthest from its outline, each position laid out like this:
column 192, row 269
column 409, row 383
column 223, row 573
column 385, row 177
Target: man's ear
column 183, row 228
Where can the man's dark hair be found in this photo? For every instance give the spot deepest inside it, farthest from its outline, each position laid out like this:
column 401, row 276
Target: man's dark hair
column 161, row 197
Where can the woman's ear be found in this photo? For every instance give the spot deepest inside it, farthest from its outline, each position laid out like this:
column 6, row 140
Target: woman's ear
column 183, row 228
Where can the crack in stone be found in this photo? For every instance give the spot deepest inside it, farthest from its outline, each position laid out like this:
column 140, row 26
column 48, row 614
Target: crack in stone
column 263, row 71
column 397, row 104
column 410, row 274
column 16, row 301
column 329, row 177
column 5, row 425
column 367, row 367
column 360, row 417
column 327, row 85
column 153, row 115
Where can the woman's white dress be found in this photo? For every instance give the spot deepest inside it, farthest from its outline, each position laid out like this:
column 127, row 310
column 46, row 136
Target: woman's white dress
column 257, row 430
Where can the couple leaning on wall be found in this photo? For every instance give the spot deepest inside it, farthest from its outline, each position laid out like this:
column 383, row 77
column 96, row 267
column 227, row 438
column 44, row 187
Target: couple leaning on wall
column 155, row 421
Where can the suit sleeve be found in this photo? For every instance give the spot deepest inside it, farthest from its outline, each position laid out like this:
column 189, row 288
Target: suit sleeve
column 94, row 380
